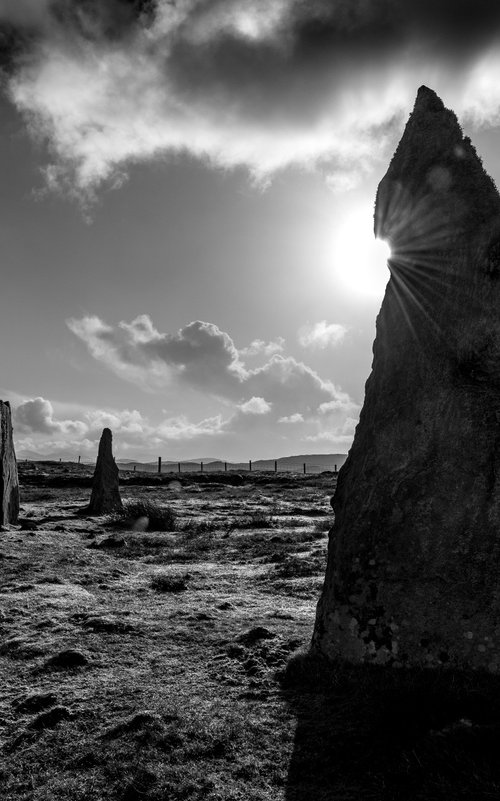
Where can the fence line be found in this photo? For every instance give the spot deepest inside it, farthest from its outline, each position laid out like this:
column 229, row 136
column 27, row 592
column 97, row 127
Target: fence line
column 268, row 466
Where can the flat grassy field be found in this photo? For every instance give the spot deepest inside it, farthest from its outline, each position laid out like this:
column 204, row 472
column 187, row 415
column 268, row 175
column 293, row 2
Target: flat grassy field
column 168, row 660
column 147, row 664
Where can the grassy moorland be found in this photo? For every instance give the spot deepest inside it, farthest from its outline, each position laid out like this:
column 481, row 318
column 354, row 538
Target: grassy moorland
column 167, row 661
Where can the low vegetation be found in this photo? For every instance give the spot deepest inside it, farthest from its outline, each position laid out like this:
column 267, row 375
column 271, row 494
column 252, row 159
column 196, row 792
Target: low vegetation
column 167, row 582
column 148, row 515
column 145, row 665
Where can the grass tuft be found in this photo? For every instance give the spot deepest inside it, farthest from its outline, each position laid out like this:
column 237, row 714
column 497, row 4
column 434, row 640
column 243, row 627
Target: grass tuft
column 168, row 582
column 159, row 517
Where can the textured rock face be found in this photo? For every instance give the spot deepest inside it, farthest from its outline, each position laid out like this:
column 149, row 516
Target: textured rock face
column 105, row 489
column 413, row 573
column 9, row 485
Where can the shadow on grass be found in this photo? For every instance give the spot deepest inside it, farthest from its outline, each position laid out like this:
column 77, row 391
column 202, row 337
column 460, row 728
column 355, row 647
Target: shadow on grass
column 380, row 734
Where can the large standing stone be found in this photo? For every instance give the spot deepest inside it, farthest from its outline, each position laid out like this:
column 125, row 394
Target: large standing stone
column 9, row 484
column 413, row 572
column 105, row 496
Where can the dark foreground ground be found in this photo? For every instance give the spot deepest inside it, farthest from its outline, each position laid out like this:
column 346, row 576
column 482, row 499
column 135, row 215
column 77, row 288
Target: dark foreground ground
column 138, row 663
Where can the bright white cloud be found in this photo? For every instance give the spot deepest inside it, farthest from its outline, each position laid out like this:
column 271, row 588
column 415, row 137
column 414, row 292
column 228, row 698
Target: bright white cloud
column 260, row 348
column 37, row 415
column 255, row 406
column 321, row 335
column 36, row 427
column 340, row 435
column 180, row 428
column 292, row 418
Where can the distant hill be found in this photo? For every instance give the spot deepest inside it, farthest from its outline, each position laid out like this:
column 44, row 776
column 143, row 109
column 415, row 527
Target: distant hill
column 315, row 463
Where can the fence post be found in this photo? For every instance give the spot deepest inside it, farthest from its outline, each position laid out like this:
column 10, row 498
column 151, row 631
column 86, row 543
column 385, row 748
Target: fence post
column 225, row 467
column 159, row 464
column 201, row 465
column 250, row 465
column 275, row 466
column 335, row 468
column 304, row 468
column 178, row 467
column 135, row 467
column 79, row 459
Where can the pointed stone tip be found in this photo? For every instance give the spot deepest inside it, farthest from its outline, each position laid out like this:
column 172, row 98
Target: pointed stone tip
column 428, row 99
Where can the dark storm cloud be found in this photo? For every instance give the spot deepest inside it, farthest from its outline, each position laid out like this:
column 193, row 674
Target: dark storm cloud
column 320, row 47
column 260, row 83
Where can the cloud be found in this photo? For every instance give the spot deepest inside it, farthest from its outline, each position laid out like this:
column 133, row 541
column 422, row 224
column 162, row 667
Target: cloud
column 37, row 427
column 200, row 354
column 341, row 435
column 255, row 406
column 205, row 359
column 280, row 395
column 44, row 426
column 180, row 428
column 37, row 416
column 260, row 348
column 257, row 83
column 321, row 334
column 292, row 418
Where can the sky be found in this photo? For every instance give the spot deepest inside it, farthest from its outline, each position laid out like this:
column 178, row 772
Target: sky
column 186, row 211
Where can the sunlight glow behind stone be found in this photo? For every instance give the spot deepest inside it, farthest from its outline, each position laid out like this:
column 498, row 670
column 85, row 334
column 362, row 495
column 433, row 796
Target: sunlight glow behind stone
column 360, row 260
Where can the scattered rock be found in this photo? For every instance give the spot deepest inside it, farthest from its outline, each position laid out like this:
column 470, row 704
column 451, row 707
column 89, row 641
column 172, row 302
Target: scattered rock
column 108, row 625
column 34, row 702
column 105, row 497
column 9, row 483
column 20, row 648
column 50, row 719
column 254, row 635
column 28, row 525
column 109, row 542
column 225, row 606
column 282, row 615
column 70, row 658
column 139, row 722
column 236, row 651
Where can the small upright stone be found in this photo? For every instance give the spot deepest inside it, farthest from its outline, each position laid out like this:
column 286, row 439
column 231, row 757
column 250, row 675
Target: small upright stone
column 9, row 484
column 105, row 496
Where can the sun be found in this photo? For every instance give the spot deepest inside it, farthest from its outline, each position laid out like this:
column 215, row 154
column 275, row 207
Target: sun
column 360, row 260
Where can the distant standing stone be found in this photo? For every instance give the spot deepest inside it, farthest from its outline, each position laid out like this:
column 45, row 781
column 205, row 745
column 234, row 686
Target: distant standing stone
column 105, row 496
column 9, row 484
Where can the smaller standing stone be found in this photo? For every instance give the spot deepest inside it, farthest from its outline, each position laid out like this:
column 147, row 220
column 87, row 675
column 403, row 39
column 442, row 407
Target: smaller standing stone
column 105, row 490
column 9, row 484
